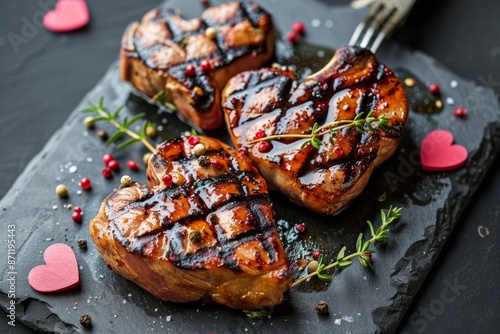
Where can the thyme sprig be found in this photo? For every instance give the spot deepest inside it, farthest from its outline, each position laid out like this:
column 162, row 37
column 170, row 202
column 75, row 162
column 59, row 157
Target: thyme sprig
column 360, row 122
column 363, row 252
column 123, row 126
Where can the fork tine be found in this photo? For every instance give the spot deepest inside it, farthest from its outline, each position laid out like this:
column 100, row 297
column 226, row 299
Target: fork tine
column 374, row 10
column 379, row 23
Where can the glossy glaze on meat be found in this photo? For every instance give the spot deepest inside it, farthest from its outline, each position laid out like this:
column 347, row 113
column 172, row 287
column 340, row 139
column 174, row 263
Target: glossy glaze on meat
column 209, row 235
column 155, row 53
column 271, row 100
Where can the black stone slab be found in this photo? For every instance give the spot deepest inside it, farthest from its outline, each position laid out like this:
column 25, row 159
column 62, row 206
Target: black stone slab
column 374, row 302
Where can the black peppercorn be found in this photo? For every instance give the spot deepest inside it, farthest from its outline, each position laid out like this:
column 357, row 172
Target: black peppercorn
column 86, row 321
column 203, row 161
column 195, row 236
column 82, row 243
column 103, row 134
column 322, row 308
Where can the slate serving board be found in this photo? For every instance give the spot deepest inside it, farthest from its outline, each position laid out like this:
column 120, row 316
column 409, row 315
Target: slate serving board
column 360, row 301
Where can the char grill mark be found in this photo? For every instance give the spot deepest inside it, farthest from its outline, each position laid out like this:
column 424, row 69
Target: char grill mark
column 199, row 191
column 156, row 53
column 224, row 54
column 273, row 102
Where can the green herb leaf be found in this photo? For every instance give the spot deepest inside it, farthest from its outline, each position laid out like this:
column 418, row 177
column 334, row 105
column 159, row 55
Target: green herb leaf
column 182, row 41
column 366, row 244
column 315, row 128
column 345, row 264
column 371, row 228
column 316, row 143
column 117, row 135
column 325, row 277
column 135, row 119
column 170, row 106
column 359, row 242
column 99, row 119
column 341, row 253
column 260, row 314
column 127, row 142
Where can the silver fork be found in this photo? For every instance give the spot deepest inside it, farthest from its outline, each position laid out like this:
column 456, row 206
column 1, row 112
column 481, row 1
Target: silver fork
column 382, row 19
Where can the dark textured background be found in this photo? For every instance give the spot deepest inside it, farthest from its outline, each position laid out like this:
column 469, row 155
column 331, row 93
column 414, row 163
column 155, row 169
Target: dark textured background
column 40, row 84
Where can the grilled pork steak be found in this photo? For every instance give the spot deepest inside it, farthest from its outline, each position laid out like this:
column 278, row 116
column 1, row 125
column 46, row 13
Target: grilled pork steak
column 206, row 231
column 191, row 61
column 271, row 102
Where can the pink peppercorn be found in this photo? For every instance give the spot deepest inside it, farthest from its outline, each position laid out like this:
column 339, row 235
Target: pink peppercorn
column 434, row 89
column 460, row 112
column 85, row 183
column 299, row 27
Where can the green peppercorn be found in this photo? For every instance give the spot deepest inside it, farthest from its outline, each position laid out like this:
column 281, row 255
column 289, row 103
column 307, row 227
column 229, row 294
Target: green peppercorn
column 211, row 32
column 126, row 181
column 151, row 131
column 146, row 158
column 89, row 122
column 312, row 266
column 62, row 190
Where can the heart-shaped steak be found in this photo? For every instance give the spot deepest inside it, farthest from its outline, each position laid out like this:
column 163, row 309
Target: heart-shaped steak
column 60, row 272
column 437, row 152
column 202, row 228
column 270, row 102
column 188, row 62
column 68, row 15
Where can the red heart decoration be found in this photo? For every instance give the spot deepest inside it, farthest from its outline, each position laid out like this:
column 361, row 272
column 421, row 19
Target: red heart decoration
column 59, row 274
column 437, row 152
column 68, row 15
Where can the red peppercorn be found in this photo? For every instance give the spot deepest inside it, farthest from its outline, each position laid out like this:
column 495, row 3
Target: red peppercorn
column 107, row 158
column 107, row 172
column 434, row 89
column 171, row 258
column 190, row 70
column 132, row 165
column 460, row 112
column 167, row 179
column 234, row 100
column 193, row 140
column 77, row 209
column 76, row 216
column 316, row 254
column 361, row 150
column 205, row 65
column 264, row 147
column 292, row 37
column 114, row 165
column 299, row 27
column 259, row 134
column 248, row 179
column 215, row 163
column 301, row 228
column 322, row 106
column 85, row 183
column 242, row 151
column 338, row 151
column 204, row 2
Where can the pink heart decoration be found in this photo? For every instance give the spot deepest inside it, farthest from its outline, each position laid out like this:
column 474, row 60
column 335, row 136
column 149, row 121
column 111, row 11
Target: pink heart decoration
column 437, row 152
column 68, row 15
column 59, row 274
